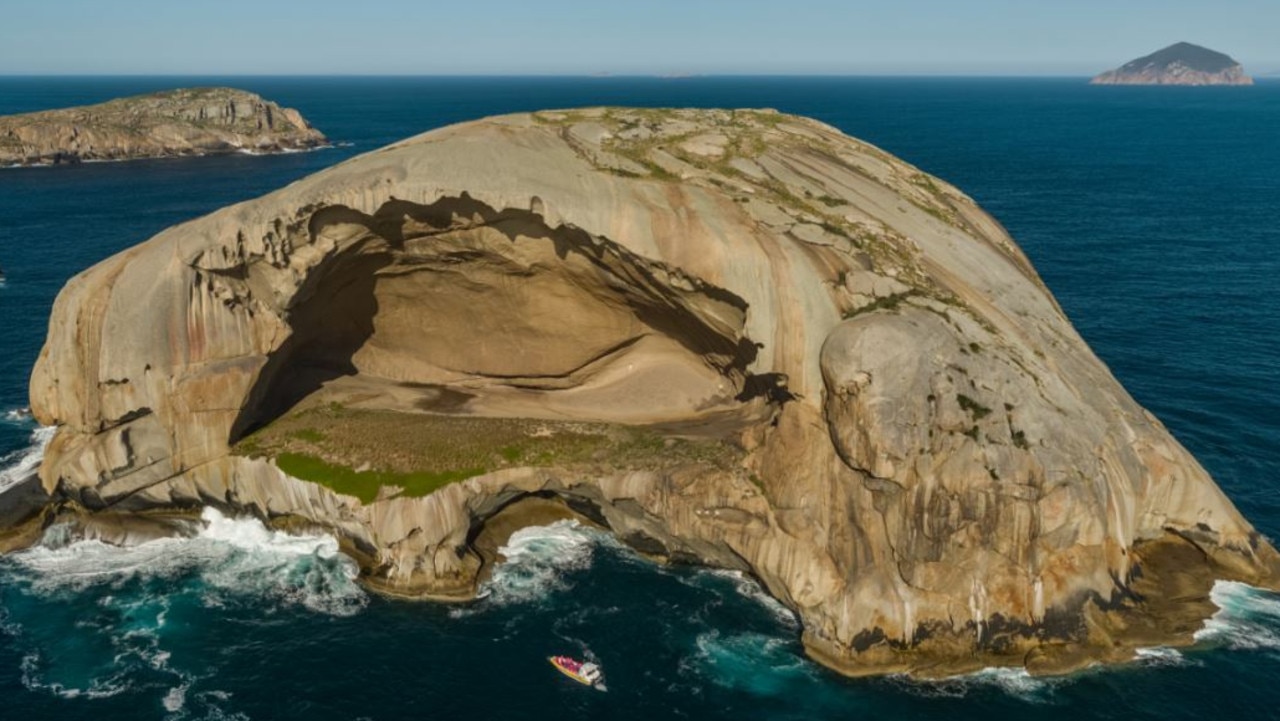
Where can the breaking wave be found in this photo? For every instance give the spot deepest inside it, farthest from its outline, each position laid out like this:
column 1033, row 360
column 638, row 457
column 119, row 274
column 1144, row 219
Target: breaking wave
column 1015, row 682
column 17, row 466
column 121, row 603
column 1248, row 618
column 537, row 559
column 1160, row 656
column 230, row 558
column 18, row 415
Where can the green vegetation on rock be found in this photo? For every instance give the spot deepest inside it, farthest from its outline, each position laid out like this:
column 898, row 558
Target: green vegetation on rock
column 366, row 485
column 360, row 452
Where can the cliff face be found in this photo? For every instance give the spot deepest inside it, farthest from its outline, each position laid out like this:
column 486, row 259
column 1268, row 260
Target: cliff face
column 1178, row 64
column 925, row 461
column 197, row 121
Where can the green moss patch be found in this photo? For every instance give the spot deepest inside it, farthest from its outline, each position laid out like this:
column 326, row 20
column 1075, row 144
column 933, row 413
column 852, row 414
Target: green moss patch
column 365, row 485
column 360, row 452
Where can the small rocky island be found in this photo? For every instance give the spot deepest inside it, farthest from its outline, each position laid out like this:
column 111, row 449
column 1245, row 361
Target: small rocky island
column 1178, row 64
column 173, row 123
column 731, row 337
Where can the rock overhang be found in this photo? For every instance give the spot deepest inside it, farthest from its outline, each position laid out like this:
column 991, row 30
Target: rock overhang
column 948, row 470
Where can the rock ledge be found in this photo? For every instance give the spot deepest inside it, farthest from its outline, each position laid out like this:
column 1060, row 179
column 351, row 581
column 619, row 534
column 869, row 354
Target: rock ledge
column 841, row 376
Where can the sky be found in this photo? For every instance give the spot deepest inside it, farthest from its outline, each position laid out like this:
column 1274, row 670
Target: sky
column 638, row 37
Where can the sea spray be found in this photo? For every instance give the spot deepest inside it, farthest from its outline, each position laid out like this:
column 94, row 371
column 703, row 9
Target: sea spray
column 120, row 599
column 19, row 465
column 1248, row 618
column 1160, row 656
column 537, row 559
column 17, row 416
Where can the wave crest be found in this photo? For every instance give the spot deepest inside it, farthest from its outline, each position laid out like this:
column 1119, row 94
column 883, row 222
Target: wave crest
column 228, row 559
column 1248, row 618
column 19, row 465
column 537, row 559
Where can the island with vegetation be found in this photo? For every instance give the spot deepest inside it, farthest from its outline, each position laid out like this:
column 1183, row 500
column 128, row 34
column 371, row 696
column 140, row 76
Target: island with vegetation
column 731, row 337
column 1178, row 64
column 173, row 123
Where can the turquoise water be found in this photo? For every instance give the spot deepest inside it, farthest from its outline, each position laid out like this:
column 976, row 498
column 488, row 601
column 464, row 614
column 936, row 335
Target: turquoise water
column 1151, row 213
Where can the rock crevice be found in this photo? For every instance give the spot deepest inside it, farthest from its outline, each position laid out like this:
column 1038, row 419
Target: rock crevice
column 736, row 337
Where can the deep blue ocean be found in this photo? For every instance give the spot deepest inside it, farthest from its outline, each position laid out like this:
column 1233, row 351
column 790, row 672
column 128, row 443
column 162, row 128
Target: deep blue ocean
column 1152, row 213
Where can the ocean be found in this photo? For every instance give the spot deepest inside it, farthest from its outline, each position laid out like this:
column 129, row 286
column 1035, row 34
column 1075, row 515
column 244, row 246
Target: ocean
column 1152, row 213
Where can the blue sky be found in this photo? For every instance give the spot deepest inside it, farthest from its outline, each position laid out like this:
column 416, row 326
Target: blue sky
column 426, row 37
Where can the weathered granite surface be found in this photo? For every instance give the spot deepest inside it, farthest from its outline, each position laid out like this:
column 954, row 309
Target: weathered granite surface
column 936, row 472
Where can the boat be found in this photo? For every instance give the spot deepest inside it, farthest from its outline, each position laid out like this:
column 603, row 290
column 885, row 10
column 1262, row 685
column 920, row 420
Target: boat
column 584, row 672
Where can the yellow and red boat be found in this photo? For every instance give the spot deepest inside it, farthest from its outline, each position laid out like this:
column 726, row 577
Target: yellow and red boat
column 584, row 672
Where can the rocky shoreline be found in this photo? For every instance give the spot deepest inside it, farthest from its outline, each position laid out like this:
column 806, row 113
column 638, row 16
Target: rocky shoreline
column 189, row 122
column 910, row 447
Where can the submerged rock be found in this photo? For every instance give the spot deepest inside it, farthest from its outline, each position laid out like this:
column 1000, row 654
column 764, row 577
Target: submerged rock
column 188, row 121
column 869, row 399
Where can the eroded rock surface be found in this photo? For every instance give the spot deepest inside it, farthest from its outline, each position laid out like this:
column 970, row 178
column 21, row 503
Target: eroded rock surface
column 188, row 121
column 932, row 469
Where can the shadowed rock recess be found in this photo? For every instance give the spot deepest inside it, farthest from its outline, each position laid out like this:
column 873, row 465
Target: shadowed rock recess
column 737, row 338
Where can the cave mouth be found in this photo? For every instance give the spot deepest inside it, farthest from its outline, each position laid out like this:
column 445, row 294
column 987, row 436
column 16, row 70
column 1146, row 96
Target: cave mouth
column 490, row 532
column 457, row 307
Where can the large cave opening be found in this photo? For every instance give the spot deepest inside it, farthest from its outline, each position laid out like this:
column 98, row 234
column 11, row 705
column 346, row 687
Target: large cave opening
column 461, row 308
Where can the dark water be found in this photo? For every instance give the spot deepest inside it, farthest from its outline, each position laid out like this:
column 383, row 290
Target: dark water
column 1153, row 214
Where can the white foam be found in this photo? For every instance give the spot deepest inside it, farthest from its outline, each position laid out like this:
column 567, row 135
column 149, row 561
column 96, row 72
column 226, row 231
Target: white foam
column 249, row 534
column 1248, row 618
column 233, row 557
column 99, row 688
column 19, row 465
column 176, row 698
column 1013, row 681
column 750, row 588
column 283, row 151
column 537, row 558
column 1160, row 656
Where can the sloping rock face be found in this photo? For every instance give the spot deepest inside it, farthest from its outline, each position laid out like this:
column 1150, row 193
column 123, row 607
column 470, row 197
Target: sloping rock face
column 1178, row 64
column 936, row 473
column 189, row 121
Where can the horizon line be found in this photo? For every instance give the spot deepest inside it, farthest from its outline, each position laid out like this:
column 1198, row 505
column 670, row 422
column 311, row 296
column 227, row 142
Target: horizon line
column 1267, row 76
column 583, row 76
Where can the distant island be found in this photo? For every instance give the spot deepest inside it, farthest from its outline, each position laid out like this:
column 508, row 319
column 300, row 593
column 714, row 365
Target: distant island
column 172, row 123
column 1178, row 64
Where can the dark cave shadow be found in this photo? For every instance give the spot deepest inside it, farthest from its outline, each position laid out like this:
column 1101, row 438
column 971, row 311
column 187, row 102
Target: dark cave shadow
column 327, row 332
column 332, row 314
